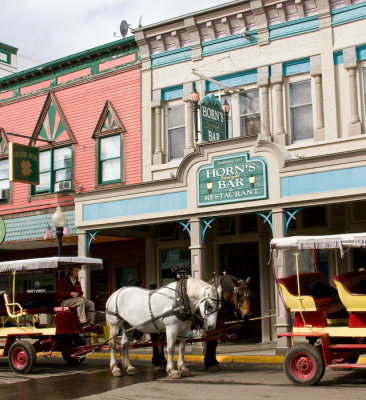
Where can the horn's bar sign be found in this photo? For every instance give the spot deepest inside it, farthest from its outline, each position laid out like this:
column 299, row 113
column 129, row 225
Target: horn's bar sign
column 231, row 179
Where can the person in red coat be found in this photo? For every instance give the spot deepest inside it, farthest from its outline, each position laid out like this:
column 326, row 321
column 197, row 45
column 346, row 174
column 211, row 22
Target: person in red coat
column 70, row 294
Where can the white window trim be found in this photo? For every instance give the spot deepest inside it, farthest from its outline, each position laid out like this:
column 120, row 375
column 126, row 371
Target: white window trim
column 166, row 143
column 287, row 109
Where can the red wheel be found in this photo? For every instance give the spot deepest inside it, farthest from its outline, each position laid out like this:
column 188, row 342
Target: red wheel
column 304, row 364
column 22, row 357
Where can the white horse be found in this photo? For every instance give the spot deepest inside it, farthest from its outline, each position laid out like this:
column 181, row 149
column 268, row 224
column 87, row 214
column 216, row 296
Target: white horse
column 158, row 311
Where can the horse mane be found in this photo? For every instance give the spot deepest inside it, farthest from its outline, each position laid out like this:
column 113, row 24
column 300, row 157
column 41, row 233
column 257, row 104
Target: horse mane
column 228, row 283
column 196, row 287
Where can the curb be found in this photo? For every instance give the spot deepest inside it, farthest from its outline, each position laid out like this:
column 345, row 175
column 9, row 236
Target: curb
column 196, row 358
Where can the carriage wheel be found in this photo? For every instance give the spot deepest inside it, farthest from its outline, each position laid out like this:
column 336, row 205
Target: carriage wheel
column 304, row 364
column 22, row 357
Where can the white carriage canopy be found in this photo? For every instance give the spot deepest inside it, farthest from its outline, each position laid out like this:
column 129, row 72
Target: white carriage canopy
column 50, row 263
column 339, row 241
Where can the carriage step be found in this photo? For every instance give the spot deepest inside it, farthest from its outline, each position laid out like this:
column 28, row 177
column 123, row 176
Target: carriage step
column 344, row 365
column 347, row 346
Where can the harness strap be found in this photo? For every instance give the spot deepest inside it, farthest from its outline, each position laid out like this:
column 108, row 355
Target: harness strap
column 151, row 313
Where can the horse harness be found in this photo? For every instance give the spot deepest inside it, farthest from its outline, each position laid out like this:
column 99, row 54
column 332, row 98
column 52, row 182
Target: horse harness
column 238, row 297
column 181, row 308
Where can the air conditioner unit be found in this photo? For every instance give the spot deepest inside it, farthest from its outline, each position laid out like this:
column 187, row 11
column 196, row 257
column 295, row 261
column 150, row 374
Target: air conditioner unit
column 4, row 194
column 65, row 185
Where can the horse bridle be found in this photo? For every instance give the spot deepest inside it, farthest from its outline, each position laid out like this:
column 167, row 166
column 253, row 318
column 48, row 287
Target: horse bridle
column 240, row 299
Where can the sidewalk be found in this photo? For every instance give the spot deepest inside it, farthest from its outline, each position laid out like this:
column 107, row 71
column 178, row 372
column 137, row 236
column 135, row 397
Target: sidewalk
column 226, row 352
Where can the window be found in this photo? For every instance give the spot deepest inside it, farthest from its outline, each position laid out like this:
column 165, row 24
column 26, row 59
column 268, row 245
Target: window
column 170, row 258
column 301, row 110
column 55, row 170
column 4, row 174
column 110, row 170
column 176, row 131
column 250, row 119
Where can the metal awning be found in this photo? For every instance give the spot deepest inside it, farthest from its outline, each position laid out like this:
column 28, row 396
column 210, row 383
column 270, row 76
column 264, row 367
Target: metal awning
column 50, row 263
column 339, row 241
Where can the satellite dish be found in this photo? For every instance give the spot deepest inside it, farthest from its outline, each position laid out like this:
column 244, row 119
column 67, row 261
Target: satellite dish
column 123, row 28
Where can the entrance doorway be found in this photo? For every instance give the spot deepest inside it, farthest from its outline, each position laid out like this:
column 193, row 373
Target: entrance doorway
column 242, row 260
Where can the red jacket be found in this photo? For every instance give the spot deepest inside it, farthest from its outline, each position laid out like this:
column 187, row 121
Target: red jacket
column 65, row 287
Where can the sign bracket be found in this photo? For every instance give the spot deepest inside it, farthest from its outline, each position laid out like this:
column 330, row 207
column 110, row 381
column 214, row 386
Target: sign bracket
column 28, row 137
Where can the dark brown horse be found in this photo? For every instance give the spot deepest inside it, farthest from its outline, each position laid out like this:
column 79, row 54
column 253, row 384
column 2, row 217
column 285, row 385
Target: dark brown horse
column 235, row 304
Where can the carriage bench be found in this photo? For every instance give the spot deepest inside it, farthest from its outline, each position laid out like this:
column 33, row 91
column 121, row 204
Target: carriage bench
column 310, row 308
column 351, row 289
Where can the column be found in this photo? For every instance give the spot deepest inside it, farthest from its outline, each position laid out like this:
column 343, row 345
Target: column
column 276, row 79
column 282, row 319
column 316, row 73
column 152, row 272
column 197, row 266
column 263, row 81
column 84, row 274
column 350, row 64
column 197, row 249
column 189, row 128
column 158, row 151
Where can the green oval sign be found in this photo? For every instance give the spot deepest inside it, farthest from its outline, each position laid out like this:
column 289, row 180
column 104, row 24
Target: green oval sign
column 212, row 119
column 2, row 230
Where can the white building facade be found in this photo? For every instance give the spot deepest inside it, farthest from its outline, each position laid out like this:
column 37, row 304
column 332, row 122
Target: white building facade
column 294, row 74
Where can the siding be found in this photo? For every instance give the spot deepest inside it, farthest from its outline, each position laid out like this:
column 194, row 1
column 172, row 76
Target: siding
column 82, row 106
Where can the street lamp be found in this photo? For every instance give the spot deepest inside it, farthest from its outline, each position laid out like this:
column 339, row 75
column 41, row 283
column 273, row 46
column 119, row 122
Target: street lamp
column 59, row 220
column 226, row 108
column 195, row 96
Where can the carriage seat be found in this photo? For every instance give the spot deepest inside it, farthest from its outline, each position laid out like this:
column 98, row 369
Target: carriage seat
column 309, row 301
column 351, row 291
column 32, row 303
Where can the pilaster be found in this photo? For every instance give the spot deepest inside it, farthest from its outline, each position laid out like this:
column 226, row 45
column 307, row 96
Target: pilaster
column 197, row 250
column 350, row 64
column 316, row 73
column 263, row 82
column 276, row 79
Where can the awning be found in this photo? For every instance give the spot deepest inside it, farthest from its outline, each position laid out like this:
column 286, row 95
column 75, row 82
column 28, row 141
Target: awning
column 50, row 262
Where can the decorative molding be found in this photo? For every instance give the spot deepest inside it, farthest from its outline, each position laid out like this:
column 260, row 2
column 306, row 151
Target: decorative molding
column 172, row 93
column 227, row 43
column 171, row 57
column 4, row 142
column 114, row 124
column 347, row 14
column 237, row 79
column 296, row 27
column 296, row 67
column 51, row 131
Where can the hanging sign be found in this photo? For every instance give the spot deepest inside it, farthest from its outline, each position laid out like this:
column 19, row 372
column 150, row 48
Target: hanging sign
column 212, row 119
column 233, row 178
column 23, row 163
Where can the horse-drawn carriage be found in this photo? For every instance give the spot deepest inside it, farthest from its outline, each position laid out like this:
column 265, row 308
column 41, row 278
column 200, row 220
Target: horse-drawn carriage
column 31, row 322
column 328, row 323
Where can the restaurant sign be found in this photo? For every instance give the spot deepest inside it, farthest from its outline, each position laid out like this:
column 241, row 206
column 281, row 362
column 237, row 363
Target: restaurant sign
column 23, row 163
column 231, row 179
column 212, row 119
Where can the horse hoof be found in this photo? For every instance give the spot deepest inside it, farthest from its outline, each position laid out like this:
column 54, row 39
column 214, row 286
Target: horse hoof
column 174, row 375
column 117, row 372
column 184, row 372
column 213, row 368
column 131, row 371
column 160, row 367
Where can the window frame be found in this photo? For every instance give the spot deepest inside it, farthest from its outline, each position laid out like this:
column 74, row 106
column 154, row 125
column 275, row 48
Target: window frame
column 168, row 129
column 252, row 89
column 3, row 159
column 52, row 171
column 99, row 161
column 299, row 79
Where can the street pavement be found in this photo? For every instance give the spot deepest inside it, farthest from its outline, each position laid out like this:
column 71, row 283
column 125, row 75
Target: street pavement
column 55, row 380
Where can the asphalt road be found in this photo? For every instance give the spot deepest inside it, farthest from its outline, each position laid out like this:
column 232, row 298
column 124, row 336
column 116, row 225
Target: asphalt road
column 54, row 380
